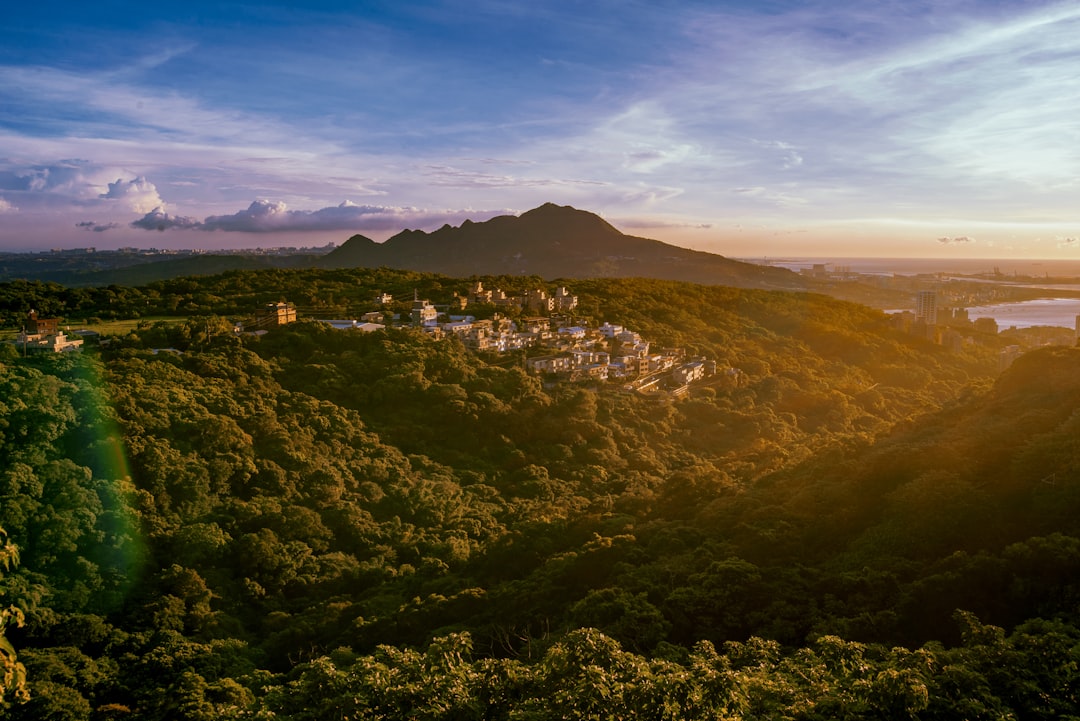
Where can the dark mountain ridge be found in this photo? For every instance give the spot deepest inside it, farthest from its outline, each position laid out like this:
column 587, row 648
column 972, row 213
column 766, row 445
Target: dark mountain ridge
column 552, row 241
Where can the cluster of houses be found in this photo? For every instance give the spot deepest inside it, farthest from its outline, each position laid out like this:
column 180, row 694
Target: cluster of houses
column 578, row 352
column 611, row 352
column 557, row 346
column 535, row 300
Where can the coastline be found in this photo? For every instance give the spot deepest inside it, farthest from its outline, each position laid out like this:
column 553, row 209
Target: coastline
column 1023, row 267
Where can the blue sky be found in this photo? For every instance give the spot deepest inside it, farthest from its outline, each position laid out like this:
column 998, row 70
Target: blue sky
column 748, row 129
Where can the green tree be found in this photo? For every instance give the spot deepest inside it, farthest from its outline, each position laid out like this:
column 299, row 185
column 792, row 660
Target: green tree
column 628, row 618
column 12, row 673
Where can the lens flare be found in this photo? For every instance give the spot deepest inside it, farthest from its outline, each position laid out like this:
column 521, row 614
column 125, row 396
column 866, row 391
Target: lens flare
column 99, row 445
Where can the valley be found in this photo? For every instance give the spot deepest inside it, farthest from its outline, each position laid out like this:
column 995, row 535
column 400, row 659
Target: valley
column 221, row 526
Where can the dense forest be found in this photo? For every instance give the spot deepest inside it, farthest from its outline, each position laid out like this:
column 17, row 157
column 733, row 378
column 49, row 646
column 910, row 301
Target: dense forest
column 316, row 523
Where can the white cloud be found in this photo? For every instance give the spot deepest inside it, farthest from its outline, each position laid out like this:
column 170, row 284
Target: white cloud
column 789, row 154
column 1069, row 242
column 114, row 107
column 940, row 105
column 986, row 98
column 6, row 207
column 646, row 196
column 139, row 194
column 658, row 223
column 644, row 137
column 646, row 158
column 260, row 217
column 460, row 178
column 772, row 197
column 75, row 185
column 158, row 219
column 72, row 178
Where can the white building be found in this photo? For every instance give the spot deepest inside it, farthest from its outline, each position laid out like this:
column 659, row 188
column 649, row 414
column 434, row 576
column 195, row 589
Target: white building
column 689, row 372
column 572, row 332
column 424, row 313
column 54, row 343
column 549, row 364
column 563, row 300
column 608, row 330
column 354, row 325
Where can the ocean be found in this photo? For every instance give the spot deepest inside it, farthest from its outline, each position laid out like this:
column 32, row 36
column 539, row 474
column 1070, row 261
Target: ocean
column 1044, row 311
column 1061, row 312
column 918, row 266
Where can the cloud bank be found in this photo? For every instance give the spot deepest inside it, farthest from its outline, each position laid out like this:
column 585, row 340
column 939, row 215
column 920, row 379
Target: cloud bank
column 659, row 223
column 274, row 216
column 158, row 219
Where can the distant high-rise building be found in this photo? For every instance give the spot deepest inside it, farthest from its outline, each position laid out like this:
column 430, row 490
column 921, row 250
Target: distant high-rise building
column 926, row 307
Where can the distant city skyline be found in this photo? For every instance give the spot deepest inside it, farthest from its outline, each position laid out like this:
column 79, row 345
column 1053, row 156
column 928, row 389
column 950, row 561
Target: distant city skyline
column 750, row 129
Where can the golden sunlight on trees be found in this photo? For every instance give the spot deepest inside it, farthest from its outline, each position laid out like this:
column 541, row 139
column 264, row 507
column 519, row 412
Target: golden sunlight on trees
column 12, row 673
column 316, row 523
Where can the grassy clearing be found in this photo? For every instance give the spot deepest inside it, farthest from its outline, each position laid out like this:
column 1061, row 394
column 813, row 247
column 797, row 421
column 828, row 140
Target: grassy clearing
column 123, row 327
column 105, row 327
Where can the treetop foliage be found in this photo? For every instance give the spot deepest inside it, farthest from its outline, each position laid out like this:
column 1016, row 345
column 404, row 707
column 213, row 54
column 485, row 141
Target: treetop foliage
column 318, row 523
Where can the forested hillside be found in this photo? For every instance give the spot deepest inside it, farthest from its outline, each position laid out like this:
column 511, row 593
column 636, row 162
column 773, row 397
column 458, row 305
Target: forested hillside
column 321, row 524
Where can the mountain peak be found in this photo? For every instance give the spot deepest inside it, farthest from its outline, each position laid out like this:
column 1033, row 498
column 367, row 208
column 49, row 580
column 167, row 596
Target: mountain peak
column 552, row 241
column 358, row 240
column 550, row 208
column 567, row 217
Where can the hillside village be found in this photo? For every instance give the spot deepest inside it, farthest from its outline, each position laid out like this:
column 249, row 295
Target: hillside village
column 555, row 344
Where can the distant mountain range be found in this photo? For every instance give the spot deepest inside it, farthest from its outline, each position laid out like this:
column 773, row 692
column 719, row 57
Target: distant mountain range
column 110, row 267
column 552, row 241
